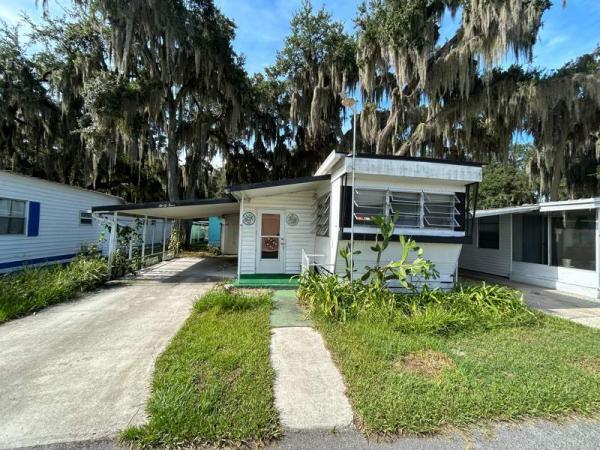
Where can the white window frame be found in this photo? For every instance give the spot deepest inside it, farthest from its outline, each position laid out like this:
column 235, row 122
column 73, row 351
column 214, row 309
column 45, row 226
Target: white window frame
column 25, row 216
column 91, row 220
column 423, row 214
column 322, row 215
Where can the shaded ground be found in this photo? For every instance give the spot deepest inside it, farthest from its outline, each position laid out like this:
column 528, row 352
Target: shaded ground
column 561, row 304
column 81, row 371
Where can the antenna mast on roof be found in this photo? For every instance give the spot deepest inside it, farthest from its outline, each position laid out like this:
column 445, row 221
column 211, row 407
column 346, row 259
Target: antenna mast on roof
column 349, row 102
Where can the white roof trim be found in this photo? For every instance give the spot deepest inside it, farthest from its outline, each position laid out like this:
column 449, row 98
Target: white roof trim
column 509, row 210
column 326, row 167
column 567, row 205
column 563, row 205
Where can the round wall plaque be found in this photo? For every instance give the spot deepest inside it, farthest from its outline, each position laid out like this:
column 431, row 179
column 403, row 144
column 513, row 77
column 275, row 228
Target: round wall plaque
column 248, row 218
column 292, row 219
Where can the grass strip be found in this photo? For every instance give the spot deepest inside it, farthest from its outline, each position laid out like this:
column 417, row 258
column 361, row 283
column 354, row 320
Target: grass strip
column 33, row 289
column 214, row 382
column 417, row 383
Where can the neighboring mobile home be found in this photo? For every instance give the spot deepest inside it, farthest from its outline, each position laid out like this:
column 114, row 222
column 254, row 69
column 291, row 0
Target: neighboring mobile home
column 44, row 222
column 281, row 226
column 553, row 244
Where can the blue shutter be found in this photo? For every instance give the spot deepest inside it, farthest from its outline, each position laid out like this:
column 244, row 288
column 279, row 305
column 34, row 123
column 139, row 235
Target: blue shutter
column 33, row 219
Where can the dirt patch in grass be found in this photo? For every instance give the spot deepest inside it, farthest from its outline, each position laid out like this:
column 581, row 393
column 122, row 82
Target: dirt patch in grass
column 429, row 363
column 590, row 365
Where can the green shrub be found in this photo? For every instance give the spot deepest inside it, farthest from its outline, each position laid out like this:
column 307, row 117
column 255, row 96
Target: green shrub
column 35, row 288
column 331, row 298
column 465, row 307
column 431, row 311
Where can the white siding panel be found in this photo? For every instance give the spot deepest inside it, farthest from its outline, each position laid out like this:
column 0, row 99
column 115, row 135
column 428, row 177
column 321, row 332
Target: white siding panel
column 487, row 260
column 301, row 236
column 60, row 232
column 444, row 256
column 578, row 281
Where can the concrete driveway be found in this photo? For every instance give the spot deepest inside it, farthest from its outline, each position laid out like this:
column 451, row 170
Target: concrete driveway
column 81, row 371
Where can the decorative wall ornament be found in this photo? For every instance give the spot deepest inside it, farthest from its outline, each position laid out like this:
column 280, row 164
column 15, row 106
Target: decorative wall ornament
column 248, row 218
column 292, row 219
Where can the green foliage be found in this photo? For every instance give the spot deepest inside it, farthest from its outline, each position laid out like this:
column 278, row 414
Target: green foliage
column 214, row 382
column 465, row 308
column 332, row 298
column 346, row 253
column 499, row 374
column 504, row 185
column 329, row 298
column 401, row 269
column 33, row 289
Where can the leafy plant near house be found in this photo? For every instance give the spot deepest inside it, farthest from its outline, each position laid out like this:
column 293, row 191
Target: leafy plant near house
column 402, row 270
column 346, row 253
column 127, row 236
column 33, row 289
column 429, row 311
column 335, row 298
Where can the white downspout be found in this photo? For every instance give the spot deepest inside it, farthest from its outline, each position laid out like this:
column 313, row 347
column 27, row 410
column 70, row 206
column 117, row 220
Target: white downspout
column 112, row 242
column 164, row 240
column 144, row 239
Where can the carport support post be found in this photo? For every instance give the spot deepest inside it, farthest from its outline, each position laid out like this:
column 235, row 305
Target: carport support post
column 112, row 242
column 598, row 251
column 240, row 234
column 164, row 237
column 144, row 238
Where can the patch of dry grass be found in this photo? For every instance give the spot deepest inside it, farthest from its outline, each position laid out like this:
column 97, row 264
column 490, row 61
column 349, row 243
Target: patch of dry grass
column 428, row 363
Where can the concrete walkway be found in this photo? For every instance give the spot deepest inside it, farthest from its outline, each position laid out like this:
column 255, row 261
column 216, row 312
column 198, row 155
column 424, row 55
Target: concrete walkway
column 561, row 304
column 309, row 389
column 81, row 371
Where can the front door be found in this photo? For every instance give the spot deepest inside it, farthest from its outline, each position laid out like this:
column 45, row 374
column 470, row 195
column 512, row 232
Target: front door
column 270, row 243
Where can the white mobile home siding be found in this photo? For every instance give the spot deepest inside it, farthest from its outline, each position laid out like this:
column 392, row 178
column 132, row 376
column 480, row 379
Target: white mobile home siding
column 297, row 238
column 60, row 232
column 443, row 256
column 489, row 260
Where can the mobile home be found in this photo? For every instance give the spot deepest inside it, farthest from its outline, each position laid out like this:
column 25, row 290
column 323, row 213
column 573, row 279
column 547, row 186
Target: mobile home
column 282, row 226
column 553, row 244
column 44, row 222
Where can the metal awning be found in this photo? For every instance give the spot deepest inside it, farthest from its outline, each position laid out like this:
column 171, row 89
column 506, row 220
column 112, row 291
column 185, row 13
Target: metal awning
column 181, row 209
column 509, row 210
column 278, row 187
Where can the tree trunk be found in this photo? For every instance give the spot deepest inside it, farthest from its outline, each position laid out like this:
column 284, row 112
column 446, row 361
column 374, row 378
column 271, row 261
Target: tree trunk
column 172, row 158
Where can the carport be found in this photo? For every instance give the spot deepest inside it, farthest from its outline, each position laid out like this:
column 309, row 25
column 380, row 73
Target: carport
column 168, row 212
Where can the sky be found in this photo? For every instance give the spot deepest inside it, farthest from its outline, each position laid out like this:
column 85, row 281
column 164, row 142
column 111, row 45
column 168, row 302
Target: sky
column 263, row 24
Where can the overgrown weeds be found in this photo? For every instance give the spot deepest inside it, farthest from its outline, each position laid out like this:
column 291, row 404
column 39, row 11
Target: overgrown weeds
column 35, row 288
column 432, row 311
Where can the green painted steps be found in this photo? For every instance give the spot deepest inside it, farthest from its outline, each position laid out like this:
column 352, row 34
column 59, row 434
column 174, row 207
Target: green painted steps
column 286, row 310
column 275, row 280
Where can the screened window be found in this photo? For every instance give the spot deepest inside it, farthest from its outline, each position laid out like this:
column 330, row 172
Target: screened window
column 574, row 239
column 407, row 207
column 12, row 216
column 411, row 209
column 440, row 211
column 489, row 232
column 85, row 218
column 323, row 203
column 368, row 204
